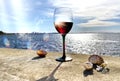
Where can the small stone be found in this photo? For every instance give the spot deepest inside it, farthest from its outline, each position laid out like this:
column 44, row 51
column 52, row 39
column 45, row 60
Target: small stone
column 105, row 70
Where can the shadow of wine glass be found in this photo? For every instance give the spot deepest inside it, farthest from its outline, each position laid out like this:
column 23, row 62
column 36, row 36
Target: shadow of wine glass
column 51, row 77
column 46, row 79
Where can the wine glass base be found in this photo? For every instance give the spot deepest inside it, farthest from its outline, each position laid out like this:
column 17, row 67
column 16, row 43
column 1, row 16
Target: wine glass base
column 67, row 59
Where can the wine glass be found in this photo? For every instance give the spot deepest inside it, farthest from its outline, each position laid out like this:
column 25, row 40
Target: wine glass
column 63, row 22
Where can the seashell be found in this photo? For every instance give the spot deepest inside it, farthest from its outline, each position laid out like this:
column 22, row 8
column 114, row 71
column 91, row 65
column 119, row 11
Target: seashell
column 96, row 59
column 41, row 53
column 99, row 68
column 104, row 64
column 88, row 65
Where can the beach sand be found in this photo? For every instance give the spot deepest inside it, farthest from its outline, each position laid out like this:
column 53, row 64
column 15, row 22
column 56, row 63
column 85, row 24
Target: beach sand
column 25, row 65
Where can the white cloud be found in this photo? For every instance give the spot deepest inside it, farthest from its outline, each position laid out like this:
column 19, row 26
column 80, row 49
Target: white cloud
column 81, row 4
column 98, row 23
column 98, row 9
column 101, row 12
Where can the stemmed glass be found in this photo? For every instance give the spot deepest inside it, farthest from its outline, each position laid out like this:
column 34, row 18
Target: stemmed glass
column 63, row 22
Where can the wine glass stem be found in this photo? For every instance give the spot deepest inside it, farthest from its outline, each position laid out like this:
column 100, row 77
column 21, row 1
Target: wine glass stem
column 63, row 38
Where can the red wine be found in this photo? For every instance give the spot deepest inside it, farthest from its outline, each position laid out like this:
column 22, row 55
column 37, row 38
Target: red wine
column 63, row 27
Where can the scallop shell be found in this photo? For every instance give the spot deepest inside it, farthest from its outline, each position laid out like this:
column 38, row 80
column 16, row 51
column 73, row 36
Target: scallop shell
column 96, row 59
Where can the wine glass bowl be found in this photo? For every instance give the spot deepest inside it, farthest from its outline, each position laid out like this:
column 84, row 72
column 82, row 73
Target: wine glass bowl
column 63, row 22
column 63, row 27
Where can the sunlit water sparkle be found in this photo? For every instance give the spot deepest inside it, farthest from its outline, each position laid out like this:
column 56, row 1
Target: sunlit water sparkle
column 6, row 42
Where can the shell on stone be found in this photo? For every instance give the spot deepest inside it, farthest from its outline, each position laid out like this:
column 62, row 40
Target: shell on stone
column 96, row 59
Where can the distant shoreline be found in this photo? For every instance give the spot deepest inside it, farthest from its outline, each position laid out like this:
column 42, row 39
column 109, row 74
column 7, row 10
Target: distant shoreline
column 3, row 33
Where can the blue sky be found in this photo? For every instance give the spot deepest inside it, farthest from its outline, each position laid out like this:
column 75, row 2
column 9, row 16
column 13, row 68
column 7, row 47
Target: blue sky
column 37, row 15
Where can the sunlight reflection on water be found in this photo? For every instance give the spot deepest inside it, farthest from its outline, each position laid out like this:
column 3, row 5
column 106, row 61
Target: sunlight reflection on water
column 81, row 37
column 46, row 37
column 93, row 43
column 81, row 43
column 6, row 42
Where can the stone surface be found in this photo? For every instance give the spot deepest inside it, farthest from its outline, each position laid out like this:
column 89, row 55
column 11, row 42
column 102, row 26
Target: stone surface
column 25, row 65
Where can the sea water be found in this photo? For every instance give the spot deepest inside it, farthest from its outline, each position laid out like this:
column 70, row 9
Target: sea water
column 83, row 43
